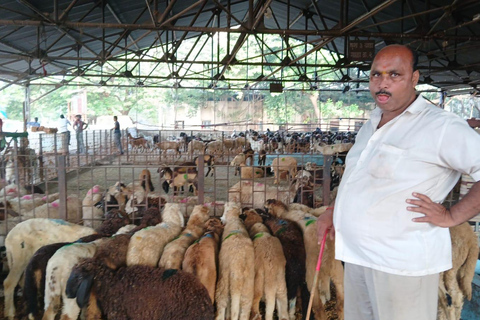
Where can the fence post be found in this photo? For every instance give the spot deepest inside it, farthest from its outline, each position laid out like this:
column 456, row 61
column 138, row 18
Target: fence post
column 40, row 158
column 327, row 163
column 15, row 157
column 62, row 187
column 201, row 178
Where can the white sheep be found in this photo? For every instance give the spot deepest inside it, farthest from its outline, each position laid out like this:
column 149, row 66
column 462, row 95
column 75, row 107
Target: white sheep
column 254, row 194
column 52, row 210
column 146, row 246
column 26, row 238
column 26, row 203
column 237, row 161
column 58, row 270
column 91, row 215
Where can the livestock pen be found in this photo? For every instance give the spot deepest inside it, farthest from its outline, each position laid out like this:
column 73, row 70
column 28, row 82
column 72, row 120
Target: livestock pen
column 74, row 185
column 48, row 162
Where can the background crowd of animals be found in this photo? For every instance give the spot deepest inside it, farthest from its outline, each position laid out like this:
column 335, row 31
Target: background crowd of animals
column 127, row 240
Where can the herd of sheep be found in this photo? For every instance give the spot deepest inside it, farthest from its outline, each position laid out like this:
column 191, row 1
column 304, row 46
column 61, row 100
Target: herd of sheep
column 171, row 266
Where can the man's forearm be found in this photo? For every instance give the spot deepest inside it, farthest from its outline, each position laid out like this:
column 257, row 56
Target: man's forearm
column 468, row 207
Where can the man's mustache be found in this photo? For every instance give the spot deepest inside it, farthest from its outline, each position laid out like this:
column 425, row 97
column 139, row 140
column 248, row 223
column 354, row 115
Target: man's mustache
column 383, row 93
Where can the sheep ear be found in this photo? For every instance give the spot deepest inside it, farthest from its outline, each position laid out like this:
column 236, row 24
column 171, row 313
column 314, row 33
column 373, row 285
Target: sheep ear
column 83, row 292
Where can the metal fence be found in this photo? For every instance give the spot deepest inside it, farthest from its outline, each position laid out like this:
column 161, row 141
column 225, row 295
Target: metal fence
column 66, row 176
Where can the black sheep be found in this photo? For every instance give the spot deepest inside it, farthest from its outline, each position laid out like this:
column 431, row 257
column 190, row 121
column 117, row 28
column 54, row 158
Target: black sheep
column 137, row 292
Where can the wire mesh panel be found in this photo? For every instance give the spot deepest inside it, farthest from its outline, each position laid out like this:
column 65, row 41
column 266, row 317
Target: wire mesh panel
column 80, row 184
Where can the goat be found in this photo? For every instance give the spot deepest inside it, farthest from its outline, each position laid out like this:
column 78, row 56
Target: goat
column 209, row 160
column 139, row 143
column 288, row 164
column 184, row 174
column 164, row 146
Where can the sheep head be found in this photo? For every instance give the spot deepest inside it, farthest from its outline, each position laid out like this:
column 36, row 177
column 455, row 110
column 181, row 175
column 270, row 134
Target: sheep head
column 232, row 211
column 275, row 207
column 172, row 215
column 214, row 225
column 250, row 217
column 199, row 216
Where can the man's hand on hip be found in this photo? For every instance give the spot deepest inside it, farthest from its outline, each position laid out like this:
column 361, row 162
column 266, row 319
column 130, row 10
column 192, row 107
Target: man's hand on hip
column 435, row 213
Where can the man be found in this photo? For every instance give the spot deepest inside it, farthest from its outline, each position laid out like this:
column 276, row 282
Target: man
column 79, row 126
column 34, row 123
column 117, row 134
column 390, row 228
column 63, row 129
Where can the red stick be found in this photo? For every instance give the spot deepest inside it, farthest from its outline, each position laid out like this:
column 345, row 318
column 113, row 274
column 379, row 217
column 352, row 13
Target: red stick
column 317, row 271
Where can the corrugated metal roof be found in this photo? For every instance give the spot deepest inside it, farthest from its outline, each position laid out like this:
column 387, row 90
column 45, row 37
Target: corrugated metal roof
column 39, row 40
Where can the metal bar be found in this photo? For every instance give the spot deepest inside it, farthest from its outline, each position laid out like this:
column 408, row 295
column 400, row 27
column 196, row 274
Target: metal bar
column 327, row 164
column 332, row 33
column 62, row 187
column 181, row 13
column 167, row 11
column 201, row 178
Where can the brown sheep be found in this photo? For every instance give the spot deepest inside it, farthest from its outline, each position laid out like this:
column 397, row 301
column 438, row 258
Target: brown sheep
column 174, row 252
column 248, row 173
column 269, row 269
column 331, row 271
column 456, row 284
column 201, row 258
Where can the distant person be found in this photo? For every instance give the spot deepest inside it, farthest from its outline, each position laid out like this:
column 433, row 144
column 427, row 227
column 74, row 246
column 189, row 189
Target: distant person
column 117, row 134
column 34, row 123
column 79, row 126
column 63, row 129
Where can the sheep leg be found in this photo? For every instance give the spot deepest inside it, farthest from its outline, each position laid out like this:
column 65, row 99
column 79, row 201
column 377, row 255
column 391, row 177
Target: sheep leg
column 93, row 311
column 221, row 296
column 235, row 306
column 281, row 298
column 337, row 279
column 9, row 285
column 291, row 308
column 258, row 293
column 51, row 308
column 270, row 300
column 246, row 294
column 70, row 309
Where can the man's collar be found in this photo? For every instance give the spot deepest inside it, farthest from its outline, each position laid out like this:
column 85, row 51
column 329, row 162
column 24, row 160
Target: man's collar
column 416, row 107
